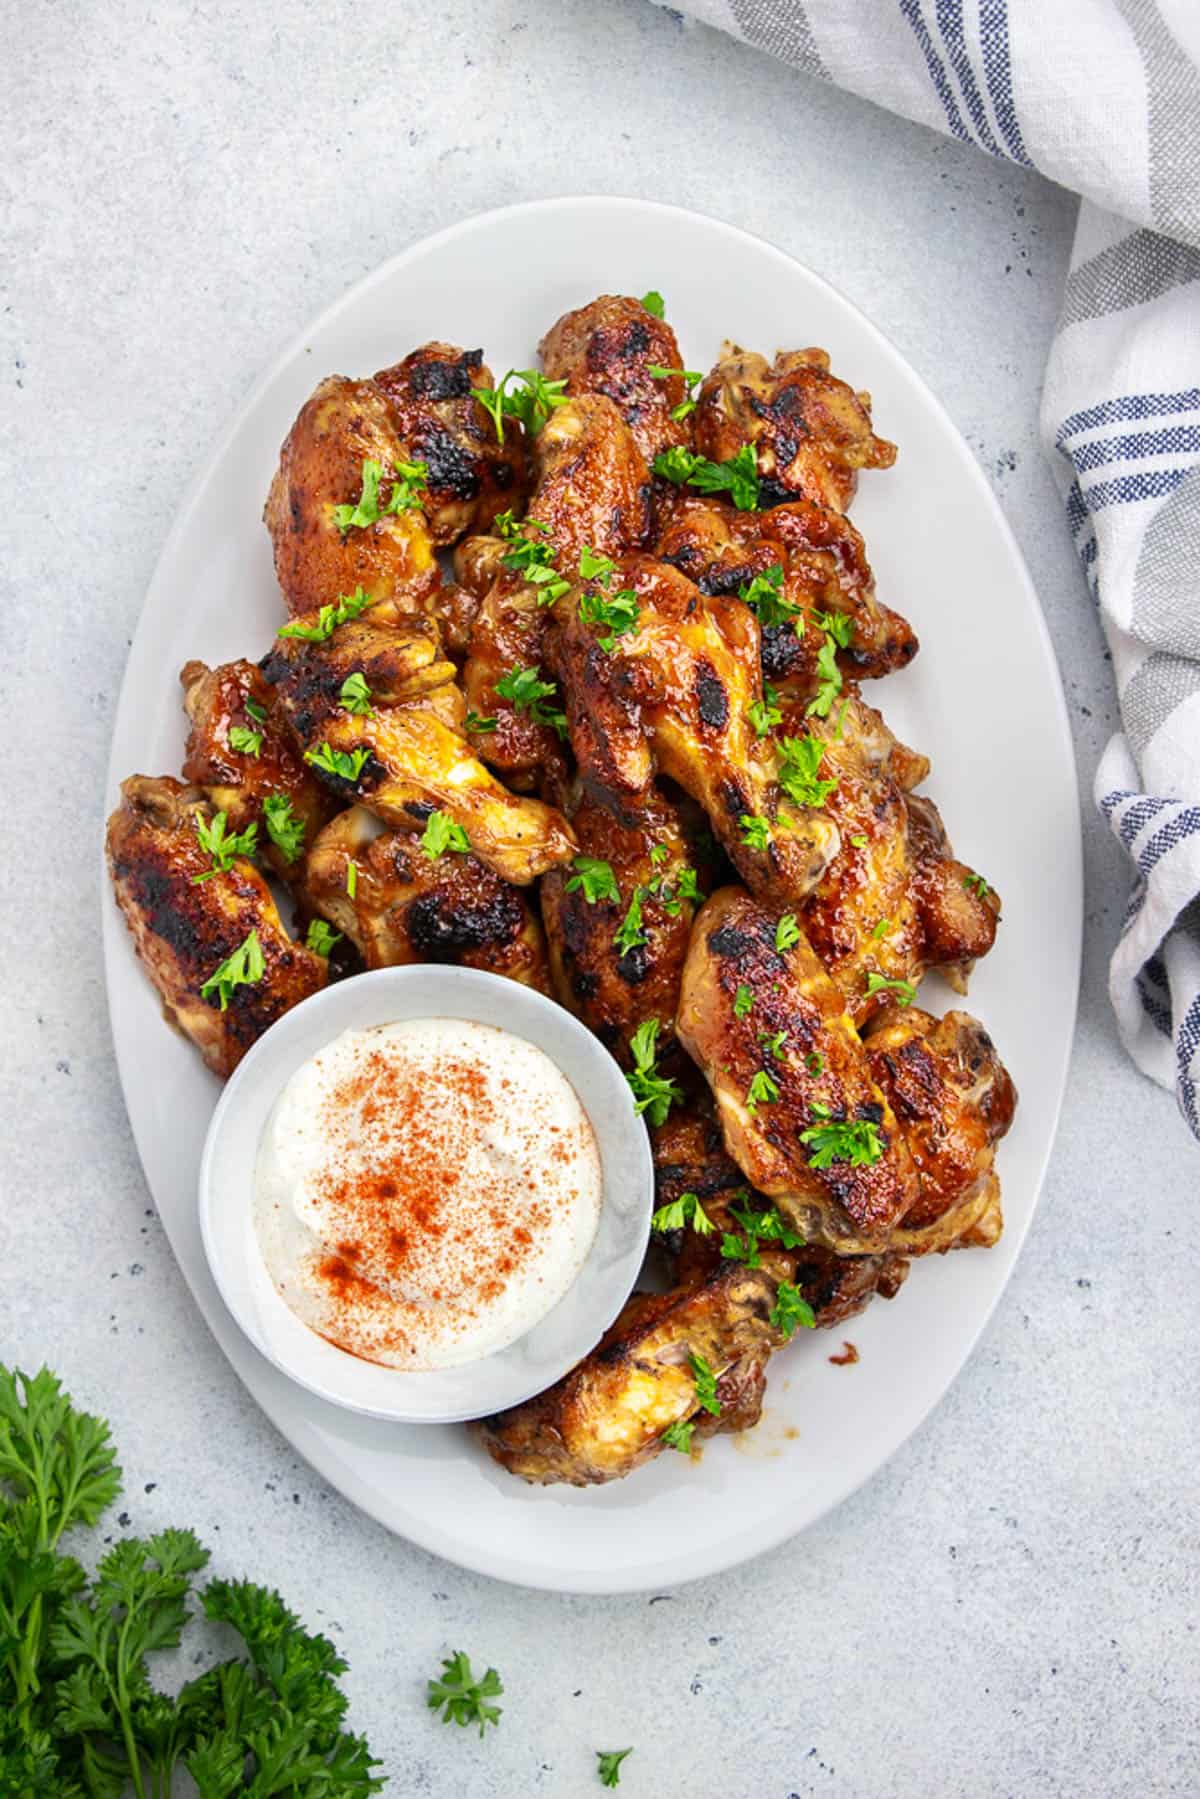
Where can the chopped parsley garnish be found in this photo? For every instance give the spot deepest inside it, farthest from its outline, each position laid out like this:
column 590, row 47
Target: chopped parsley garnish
column 659, row 853
column 595, row 879
column 243, row 968
column 765, row 714
column 653, row 303
column 352, row 879
column 766, row 1227
column 221, row 847
column 652, row 1094
column 705, row 1378
column 853, row 1140
column 631, row 932
column 815, row 1063
column 284, row 829
column 881, row 929
column 905, row 992
column 977, row 883
column 691, row 379
column 679, row 1435
column 787, row 932
column 618, row 612
column 743, row 1000
column 859, row 842
column 680, row 1213
column 347, row 765
column 829, row 677
column 765, row 597
column 442, row 834
column 790, row 1309
column 528, row 693
column 737, row 474
column 756, row 831
column 245, row 741
column 355, row 695
column 255, row 711
column 594, row 567
column 344, row 608
column 671, row 896
column 837, row 625
column 609, row 1765
column 530, row 404
column 461, row 1698
column 762, row 1091
column 773, row 1042
column 321, row 937
column 799, row 760
column 533, row 559
column 409, row 479
column 476, row 722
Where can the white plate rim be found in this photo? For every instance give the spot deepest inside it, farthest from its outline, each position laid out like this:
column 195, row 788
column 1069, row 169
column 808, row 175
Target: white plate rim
column 301, row 1433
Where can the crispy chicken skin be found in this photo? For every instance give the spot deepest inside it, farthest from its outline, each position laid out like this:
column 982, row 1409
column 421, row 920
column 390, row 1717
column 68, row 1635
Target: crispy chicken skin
column 472, row 476
column 811, row 432
column 852, row 1208
column 893, row 901
column 509, row 633
column 593, row 486
column 825, row 570
column 609, row 347
column 344, row 424
column 237, row 782
column 184, row 930
column 953, row 1099
column 416, row 757
column 613, row 992
column 409, row 908
column 673, row 697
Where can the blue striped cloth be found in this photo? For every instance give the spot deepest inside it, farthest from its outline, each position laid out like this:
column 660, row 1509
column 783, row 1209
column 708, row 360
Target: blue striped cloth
column 1103, row 96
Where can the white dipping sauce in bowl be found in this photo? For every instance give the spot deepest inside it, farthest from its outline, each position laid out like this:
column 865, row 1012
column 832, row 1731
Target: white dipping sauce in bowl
column 427, row 1191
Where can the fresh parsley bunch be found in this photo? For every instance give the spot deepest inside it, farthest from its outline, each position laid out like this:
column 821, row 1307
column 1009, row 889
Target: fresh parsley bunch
column 79, row 1713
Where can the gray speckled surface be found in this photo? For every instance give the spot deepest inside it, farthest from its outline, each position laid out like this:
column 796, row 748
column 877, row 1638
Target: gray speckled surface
column 1010, row 1607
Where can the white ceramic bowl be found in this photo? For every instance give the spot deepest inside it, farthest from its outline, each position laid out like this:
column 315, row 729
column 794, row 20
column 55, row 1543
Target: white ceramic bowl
column 534, row 1361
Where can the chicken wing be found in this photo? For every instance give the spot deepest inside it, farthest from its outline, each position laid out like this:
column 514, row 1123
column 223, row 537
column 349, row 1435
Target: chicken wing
column 187, row 922
column 405, row 756
column 617, row 961
column 265, row 783
column 472, row 475
column 820, row 562
column 893, row 902
column 805, row 1109
column 323, row 466
column 507, row 634
column 811, row 432
column 593, row 487
column 609, row 347
column 674, row 694
column 407, row 906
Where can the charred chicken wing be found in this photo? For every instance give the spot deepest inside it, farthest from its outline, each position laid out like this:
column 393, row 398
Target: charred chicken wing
column 609, row 347
column 192, row 919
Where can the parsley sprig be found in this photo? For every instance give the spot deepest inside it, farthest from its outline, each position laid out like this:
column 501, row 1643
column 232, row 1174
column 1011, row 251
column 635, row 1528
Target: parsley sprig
column 737, row 474
column 343, row 609
column 904, row 991
column 528, row 693
column 631, row 932
column 594, row 878
column 347, row 765
column 321, row 937
column 853, row 1140
column 244, row 968
column 531, row 403
column 284, row 829
column 461, row 1698
column 799, row 762
column 766, row 713
column 756, row 831
column 442, row 834
column 617, row 612
column 356, row 696
column 757, row 1227
column 653, row 303
column 531, row 556
column 222, row 846
column 245, row 741
column 679, row 1213
column 790, row 1310
column 705, row 1377
column 408, row 482
column 653, row 1094
column 691, row 379
column 766, row 599
column 608, row 1768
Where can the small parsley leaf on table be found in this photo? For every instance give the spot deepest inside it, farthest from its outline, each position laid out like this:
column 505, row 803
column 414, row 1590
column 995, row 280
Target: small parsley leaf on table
column 609, row 1765
column 461, row 1698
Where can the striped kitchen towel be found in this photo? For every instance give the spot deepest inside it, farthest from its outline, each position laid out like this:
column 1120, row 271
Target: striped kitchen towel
column 1103, row 96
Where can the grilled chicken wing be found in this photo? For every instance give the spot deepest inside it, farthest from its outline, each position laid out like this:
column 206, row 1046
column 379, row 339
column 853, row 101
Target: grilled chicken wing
column 674, row 695
column 407, row 907
column 593, row 486
column 820, row 1123
column 824, row 569
column 407, row 756
column 811, row 432
column 893, row 902
column 954, row 1099
column 185, row 928
column 613, row 989
column 342, row 427
column 508, row 633
column 238, row 782
column 472, row 475
column 609, row 347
